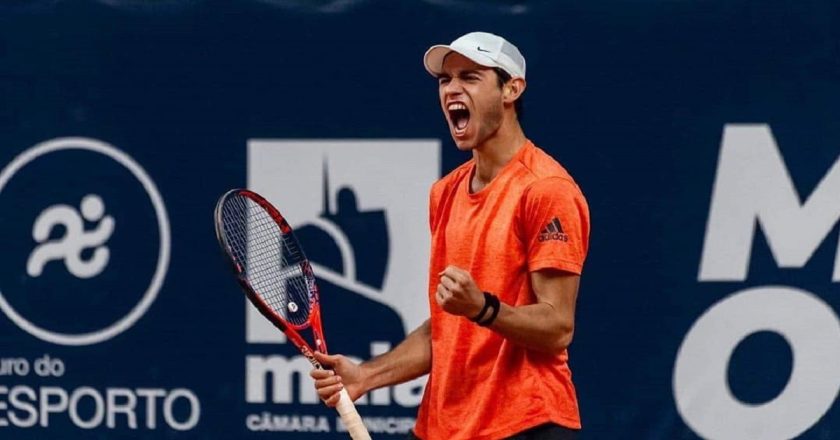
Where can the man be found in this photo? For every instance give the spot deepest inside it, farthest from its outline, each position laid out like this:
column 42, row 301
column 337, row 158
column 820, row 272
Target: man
column 510, row 233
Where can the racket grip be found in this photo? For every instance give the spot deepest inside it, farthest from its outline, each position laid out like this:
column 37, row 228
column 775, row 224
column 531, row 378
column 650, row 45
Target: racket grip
column 350, row 417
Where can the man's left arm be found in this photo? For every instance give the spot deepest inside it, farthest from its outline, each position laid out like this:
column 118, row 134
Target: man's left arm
column 547, row 325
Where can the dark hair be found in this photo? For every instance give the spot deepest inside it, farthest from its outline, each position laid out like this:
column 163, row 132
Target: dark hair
column 503, row 77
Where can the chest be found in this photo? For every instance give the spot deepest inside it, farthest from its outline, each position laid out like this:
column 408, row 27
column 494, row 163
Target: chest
column 481, row 231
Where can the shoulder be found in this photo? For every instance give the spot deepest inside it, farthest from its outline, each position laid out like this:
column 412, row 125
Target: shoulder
column 541, row 165
column 545, row 175
column 553, row 187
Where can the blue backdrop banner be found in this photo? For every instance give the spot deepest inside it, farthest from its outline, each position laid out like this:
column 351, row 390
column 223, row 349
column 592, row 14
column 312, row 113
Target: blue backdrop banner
column 704, row 135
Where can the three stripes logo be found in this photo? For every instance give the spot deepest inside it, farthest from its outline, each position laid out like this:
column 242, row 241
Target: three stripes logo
column 553, row 231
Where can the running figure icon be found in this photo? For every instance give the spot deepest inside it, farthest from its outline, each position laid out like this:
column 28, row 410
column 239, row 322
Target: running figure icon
column 75, row 240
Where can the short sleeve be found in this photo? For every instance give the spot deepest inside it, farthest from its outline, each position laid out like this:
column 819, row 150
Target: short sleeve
column 554, row 222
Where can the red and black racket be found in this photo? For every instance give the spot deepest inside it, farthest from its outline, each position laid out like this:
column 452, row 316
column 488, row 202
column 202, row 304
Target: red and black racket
column 276, row 276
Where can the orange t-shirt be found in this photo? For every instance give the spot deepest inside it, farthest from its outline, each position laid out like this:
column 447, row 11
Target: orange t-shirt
column 531, row 216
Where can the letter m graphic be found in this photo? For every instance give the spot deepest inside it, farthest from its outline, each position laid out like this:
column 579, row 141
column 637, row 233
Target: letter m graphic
column 753, row 187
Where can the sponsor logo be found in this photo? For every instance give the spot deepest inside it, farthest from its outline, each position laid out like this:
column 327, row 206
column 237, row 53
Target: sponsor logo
column 364, row 226
column 87, row 248
column 88, row 408
column 753, row 187
column 85, row 213
column 553, row 231
column 75, row 240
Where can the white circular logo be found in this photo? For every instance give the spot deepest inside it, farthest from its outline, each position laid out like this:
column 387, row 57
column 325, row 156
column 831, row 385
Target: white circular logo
column 91, row 208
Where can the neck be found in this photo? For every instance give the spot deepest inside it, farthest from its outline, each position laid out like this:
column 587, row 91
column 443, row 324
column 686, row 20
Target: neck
column 496, row 151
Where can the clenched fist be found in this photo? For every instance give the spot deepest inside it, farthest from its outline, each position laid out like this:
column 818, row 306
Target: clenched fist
column 458, row 294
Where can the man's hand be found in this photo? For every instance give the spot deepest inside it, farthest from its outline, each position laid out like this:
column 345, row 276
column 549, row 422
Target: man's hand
column 458, row 294
column 343, row 373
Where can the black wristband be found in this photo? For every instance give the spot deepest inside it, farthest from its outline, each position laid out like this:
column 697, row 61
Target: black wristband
column 483, row 311
column 495, row 304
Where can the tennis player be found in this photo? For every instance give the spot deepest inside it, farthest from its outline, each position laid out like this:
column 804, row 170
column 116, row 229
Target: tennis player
column 510, row 232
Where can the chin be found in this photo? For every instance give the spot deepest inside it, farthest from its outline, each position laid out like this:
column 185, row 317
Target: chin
column 463, row 144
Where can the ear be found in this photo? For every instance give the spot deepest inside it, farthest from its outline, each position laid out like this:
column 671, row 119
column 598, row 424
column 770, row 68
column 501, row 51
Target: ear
column 513, row 90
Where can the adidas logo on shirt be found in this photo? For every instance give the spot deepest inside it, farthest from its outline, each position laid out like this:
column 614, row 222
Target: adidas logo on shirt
column 553, row 231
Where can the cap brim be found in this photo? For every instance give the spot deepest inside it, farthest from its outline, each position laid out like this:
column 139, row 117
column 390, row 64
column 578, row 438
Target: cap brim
column 433, row 60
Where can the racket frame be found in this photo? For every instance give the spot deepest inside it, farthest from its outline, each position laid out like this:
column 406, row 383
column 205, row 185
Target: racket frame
column 345, row 407
column 289, row 329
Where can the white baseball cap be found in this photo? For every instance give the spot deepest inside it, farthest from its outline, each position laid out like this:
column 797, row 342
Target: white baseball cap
column 483, row 48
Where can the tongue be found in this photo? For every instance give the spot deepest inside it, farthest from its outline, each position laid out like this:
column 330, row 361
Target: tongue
column 461, row 123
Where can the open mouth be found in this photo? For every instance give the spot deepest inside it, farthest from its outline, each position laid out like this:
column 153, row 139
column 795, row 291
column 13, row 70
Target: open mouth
column 459, row 116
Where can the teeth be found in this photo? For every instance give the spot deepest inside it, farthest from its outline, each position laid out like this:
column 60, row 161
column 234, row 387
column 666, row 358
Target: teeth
column 456, row 106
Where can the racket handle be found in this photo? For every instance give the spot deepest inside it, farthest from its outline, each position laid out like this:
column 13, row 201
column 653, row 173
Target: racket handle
column 350, row 417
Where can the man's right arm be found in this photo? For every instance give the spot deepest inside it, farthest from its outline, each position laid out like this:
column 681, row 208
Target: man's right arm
column 410, row 359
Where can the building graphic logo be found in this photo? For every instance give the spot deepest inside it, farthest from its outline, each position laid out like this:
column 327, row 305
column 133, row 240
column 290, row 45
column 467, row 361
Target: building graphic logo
column 360, row 211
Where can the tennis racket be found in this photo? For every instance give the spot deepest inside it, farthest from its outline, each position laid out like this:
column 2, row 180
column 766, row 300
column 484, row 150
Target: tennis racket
column 276, row 276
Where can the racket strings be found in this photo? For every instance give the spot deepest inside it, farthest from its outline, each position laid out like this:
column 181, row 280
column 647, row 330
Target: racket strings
column 272, row 262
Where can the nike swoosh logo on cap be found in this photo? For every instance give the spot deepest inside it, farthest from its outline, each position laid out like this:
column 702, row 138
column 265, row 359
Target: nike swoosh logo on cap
column 482, row 50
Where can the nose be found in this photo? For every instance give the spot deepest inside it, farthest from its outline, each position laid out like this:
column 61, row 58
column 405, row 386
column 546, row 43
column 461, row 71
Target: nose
column 453, row 87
